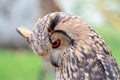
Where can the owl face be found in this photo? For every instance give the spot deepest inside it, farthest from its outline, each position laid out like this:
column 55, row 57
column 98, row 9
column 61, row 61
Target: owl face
column 48, row 39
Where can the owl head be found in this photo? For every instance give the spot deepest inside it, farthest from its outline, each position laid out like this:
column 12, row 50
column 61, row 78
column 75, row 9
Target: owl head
column 54, row 34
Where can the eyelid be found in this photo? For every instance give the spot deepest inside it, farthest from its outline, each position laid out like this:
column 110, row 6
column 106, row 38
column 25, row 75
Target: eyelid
column 53, row 41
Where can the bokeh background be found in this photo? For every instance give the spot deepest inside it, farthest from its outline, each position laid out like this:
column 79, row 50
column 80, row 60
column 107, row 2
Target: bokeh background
column 17, row 61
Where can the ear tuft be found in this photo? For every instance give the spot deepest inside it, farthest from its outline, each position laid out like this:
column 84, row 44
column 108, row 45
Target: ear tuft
column 24, row 32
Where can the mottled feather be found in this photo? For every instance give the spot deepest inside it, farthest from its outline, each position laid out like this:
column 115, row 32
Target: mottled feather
column 82, row 55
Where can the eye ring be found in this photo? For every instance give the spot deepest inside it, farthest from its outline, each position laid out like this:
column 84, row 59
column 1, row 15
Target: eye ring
column 56, row 43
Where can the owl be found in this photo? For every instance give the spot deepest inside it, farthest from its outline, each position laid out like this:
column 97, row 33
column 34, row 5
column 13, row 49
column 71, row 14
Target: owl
column 73, row 48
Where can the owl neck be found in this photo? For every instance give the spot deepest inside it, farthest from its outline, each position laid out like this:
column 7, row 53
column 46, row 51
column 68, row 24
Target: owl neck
column 69, row 69
column 73, row 67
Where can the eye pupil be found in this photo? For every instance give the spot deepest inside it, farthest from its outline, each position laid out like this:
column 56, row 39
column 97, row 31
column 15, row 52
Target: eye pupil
column 56, row 43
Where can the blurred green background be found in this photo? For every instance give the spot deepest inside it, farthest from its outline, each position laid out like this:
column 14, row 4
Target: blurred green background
column 17, row 61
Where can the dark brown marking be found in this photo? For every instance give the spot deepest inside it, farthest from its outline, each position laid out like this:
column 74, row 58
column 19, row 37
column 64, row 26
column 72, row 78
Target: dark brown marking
column 54, row 22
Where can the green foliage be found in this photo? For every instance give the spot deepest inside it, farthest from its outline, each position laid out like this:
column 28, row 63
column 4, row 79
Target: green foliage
column 112, row 38
column 21, row 65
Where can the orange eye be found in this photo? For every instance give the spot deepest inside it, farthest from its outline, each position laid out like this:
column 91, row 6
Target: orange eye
column 56, row 43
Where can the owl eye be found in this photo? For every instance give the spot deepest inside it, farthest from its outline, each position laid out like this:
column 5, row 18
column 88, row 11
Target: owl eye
column 56, row 44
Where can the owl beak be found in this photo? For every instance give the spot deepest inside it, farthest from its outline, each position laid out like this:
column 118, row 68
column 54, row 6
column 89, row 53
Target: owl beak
column 53, row 61
column 24, row 32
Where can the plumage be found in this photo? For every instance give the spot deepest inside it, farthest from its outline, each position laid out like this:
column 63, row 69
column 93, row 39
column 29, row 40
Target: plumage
column 73, row 47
